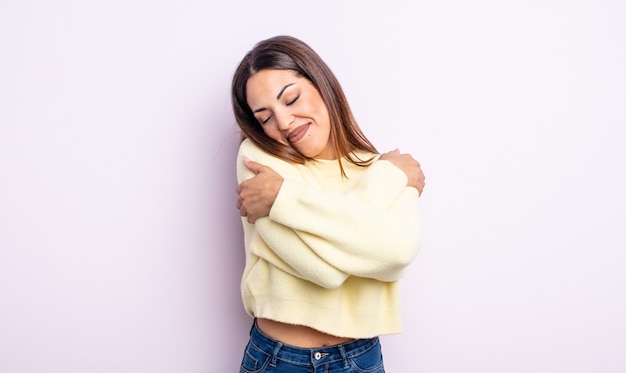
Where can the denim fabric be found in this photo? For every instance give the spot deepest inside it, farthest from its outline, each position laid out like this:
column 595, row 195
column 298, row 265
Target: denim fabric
column 264, row 354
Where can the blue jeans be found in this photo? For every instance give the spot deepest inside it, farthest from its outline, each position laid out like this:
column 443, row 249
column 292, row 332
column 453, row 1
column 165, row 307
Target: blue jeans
column 264, row 354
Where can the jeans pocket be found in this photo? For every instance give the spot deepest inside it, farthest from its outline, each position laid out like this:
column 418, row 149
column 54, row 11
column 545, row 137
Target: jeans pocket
column 254, row 359
column 371, row 361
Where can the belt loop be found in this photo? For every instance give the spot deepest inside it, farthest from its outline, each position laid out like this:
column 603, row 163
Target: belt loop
column 344, row 357
column 277, row 348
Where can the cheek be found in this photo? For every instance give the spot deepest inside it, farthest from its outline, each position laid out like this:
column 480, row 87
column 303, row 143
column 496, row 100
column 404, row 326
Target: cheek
column 322, row 111
column 273, row 133
column 324, row 119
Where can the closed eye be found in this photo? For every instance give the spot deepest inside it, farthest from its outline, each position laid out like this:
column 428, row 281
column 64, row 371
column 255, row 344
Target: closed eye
column 294, row 100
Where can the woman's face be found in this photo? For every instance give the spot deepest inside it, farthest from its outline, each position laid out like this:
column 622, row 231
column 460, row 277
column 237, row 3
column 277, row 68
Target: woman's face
column 291, row 111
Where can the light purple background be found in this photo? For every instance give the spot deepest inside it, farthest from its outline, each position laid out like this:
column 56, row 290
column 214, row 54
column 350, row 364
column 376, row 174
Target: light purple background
column 121, row 248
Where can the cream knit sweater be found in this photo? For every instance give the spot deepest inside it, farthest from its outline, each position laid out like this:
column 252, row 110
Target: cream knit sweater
column 330, row 252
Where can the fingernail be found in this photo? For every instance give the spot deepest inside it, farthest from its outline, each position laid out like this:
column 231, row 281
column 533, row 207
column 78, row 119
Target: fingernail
column 246, row 159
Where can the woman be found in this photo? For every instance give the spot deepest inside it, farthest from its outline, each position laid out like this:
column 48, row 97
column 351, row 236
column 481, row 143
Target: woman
column 329, row 223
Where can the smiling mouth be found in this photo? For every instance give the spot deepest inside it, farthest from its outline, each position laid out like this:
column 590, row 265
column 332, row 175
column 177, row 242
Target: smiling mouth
column 298, row 133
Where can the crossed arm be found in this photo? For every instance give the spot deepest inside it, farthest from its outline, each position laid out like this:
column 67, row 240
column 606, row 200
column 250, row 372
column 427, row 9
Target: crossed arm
column 323, row 236
column 257, row 194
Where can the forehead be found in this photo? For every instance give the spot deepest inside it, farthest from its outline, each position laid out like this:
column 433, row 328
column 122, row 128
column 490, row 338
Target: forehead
column 266, row 84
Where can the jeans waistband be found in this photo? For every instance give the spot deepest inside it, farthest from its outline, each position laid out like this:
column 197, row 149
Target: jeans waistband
column 309, row 356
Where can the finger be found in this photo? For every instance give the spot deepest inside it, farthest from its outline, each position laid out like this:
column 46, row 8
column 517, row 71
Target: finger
column 252, row 166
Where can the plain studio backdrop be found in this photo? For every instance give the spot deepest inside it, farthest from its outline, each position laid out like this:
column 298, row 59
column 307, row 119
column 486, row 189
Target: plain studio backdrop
column 120, row 246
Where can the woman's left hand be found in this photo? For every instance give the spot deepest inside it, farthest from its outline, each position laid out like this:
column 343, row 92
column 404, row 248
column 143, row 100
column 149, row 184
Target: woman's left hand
column 257, row 194
column 411, row 167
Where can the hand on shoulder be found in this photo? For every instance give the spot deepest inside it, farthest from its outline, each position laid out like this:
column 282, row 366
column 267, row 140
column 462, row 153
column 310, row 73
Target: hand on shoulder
column 408, row 165
column 258, row 193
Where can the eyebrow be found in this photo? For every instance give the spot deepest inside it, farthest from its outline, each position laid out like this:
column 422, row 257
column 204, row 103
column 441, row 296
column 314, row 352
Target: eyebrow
column 277, row 97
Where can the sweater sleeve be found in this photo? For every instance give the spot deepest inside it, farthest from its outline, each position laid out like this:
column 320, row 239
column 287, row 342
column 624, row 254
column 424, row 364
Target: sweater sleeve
column 372, row 231
column 276, row 243
column 365, row 235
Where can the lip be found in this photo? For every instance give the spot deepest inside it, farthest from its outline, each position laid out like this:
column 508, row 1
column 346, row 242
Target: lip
column 298, row 133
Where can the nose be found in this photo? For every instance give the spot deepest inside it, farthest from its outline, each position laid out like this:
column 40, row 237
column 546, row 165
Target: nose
column 284, row 119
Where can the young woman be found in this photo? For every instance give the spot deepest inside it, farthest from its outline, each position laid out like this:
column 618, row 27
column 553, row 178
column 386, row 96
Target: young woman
column 329, row 223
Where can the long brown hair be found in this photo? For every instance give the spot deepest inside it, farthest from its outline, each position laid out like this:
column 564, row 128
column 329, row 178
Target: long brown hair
column 289, row 53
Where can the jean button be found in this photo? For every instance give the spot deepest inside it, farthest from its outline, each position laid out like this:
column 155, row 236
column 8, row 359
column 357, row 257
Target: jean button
column 317, row 355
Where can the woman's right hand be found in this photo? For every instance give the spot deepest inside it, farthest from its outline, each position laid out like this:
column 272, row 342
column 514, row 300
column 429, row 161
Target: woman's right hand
column 257, row 194
column 409, row 166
